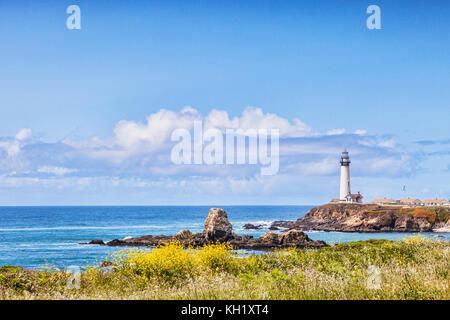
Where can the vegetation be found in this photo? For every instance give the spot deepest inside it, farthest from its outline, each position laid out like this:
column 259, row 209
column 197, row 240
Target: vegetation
column 413, row 268
column 443, row 214
column 432, row 214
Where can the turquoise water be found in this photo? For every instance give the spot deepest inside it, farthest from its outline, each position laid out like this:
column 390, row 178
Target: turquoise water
column 36, row 236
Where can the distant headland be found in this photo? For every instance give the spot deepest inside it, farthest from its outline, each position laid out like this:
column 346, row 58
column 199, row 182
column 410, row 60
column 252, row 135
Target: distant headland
column 345, row 195
column 349, row 217
column 348, row 213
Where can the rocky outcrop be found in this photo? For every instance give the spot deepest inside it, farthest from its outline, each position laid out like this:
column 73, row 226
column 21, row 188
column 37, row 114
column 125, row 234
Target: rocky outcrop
column 282, row 224
column 270, row 240
column 183, row 235
column 292, row 236
column 442, row 226
column 96, row 242
column 369, row 218
column 219, row 229
column 217, row 226
column 249, row 226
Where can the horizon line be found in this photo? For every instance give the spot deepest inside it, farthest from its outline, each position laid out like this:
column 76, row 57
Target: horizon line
column 160, row 205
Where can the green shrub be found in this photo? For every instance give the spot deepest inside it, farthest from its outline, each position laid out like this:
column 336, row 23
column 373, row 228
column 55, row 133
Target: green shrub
column 413, row 268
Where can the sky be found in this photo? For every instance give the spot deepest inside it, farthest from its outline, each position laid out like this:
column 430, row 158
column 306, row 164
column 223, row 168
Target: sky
column 86, row 115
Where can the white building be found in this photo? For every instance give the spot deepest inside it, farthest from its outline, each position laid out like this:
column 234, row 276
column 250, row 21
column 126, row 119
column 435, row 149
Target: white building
column 433, row 202
column 345, row 194
column 384, row 201
column 410, row 202
column 354, row 198
column 345, row 176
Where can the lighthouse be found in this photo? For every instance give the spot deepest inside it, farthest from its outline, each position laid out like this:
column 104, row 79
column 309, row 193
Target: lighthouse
column 345, row 177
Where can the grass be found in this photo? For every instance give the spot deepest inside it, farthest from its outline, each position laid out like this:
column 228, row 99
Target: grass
column 413, row 268
column 432, row 214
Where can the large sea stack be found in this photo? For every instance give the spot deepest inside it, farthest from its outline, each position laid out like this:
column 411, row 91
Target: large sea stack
column 217, row 226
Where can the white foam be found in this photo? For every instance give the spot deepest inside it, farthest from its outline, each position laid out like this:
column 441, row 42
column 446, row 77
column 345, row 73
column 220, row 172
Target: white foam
column 259, row 222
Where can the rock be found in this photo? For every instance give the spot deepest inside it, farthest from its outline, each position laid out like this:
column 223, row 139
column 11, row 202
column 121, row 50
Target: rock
column 217, row 226
column 384, row 221
column 249, row 226
column 442, row 227
column 407, row 223
column 282, row 224
column 273, row 228
column 293, row 237
column 369, row 218
column 116, row 242
column 97, row 241
column 269, row 240
column 183, row 235
column 270, row 237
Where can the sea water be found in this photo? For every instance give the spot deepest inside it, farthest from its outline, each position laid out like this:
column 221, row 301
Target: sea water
column 35, row 237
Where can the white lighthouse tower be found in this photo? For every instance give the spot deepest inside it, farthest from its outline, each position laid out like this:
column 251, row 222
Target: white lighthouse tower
column 345, row 176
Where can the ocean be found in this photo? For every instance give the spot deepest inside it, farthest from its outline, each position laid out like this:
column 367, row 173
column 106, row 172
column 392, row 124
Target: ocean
column 36, row 237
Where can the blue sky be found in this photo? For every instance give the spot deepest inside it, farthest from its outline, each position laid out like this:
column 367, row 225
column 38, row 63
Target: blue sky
column 64, row 94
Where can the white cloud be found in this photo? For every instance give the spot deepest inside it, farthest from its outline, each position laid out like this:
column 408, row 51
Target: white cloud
column 388, row 143
column 255, row 118
column 340, row 131
column 133, row 138
column 13, row 146
column 156, row 131
column 386, row 166
column 58, row 171
column 336, row 132
column 321, row 167
column 141, row 150
column 361, row 132
column 24, row 134
column 316, row 147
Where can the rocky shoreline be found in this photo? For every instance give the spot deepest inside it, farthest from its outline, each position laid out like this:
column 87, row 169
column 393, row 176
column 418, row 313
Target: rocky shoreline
column 219, row 229
column 329, row 217
column 371, row 218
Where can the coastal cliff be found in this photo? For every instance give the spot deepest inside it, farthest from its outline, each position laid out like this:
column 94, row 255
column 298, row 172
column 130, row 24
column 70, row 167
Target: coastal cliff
column 371, row 218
